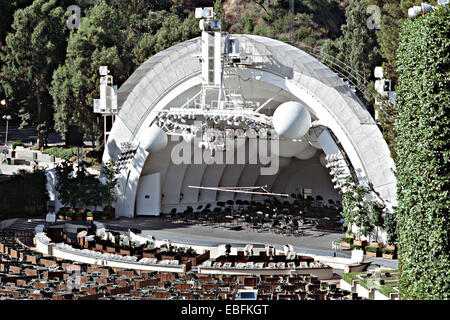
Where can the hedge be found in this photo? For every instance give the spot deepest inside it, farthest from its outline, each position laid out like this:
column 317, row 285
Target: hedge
column 371, row 249
column 63, row 153
column 423, row 144
column 24, row 195
column 347, row 239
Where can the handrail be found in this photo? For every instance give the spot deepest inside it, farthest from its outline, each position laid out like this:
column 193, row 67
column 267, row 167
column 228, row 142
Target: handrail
column 352, row 76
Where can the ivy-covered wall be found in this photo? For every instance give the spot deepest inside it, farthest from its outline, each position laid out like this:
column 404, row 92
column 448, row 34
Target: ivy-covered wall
column 423, row 140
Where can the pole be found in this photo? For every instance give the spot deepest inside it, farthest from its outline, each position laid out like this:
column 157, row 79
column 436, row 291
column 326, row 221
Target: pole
column 6, row 135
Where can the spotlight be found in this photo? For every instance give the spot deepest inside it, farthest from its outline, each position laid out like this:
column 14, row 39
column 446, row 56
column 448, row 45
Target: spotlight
column 422, row 9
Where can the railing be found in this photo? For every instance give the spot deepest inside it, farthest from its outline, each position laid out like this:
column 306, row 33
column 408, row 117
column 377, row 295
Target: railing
column 357, row 81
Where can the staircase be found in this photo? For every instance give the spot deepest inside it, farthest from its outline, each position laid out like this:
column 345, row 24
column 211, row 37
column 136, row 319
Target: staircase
column 22, row 224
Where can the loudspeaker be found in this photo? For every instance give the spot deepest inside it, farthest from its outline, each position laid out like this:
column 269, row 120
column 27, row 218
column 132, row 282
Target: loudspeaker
column 426, row 8
column 74, row 136
column 414, row 11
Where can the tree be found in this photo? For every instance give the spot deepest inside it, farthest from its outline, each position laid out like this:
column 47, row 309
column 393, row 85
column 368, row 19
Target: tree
column 33, row 50
column 376, row 211
column 79, row 189
column 360, row 48
column 75, row 84
column 333, row 55
column 110, row 177
column 393, row 15
column 64, row 185
column 390, row 221
column 220, row 14
column 355, row 208
column 120, row 36
column 422, row 139
column 24, row 195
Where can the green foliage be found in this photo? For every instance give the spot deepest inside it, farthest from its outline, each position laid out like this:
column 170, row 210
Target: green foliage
column 368, row 282
column 63, row 153
column 98, row 41
column 355, row 211
column 371, row 249
column 25, row 195
column 391, row 228
column 108, row 189
column 360, row 48
column 16, row 144
column 34, row 49
column 387, row 289
column 387, row 114
column 388, row 251
column 79, row 189
column 117, row 35
column 423, row 156
column 355, row 247
column 393, row 15
column 376, row 211
column 347, row 239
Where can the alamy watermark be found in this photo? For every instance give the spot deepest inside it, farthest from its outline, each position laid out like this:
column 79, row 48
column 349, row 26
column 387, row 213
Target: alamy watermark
column 374, row 21
column 241, row 147
column 73, row 22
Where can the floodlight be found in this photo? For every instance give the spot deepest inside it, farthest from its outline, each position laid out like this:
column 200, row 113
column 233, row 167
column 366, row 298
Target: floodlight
column 379, row 72
column 103, row 71
column 423, row 8
column 207, row 13
column 426, row 8
column 3, row 102
column 216, row 24
column 414, row 11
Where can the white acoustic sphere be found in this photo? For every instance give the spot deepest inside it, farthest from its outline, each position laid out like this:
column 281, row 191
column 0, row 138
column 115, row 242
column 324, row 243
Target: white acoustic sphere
column 289, row 148
column 284, row 162
column 154, row 139
column 306, row 154
column 291, row 120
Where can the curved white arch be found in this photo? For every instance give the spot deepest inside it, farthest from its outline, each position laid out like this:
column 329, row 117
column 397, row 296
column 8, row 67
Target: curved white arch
column 173, row 72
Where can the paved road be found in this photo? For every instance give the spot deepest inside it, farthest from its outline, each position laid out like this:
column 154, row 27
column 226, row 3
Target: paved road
column 26, row 135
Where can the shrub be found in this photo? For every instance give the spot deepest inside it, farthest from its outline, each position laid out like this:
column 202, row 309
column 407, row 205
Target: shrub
column 371, row 249
column 391, row 228
column 422, row 140
column 63, row 153
column 89, row 214
column 16, row 144
column 347, row 239
column 355, row 247
column 387, row 251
